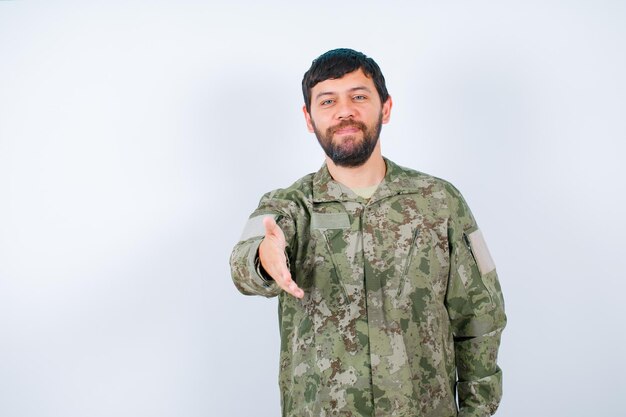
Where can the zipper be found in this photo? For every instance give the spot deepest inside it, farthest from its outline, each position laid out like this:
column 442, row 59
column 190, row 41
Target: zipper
column 332, row 258
column 407, row 264
column 467, row 243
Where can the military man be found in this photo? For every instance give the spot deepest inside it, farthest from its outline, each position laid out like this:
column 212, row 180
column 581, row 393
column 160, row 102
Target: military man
column 389, row 302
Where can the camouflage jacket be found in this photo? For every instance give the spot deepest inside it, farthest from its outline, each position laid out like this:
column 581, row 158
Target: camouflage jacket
column 402, row 310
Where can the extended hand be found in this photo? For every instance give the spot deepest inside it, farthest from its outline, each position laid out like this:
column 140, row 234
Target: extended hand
column 273, row 258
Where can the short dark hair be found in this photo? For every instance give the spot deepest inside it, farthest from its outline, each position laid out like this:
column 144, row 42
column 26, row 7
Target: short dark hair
column 337, row 63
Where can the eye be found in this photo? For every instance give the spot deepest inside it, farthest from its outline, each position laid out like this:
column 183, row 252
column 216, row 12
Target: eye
column 327, row 102
column 359, row 97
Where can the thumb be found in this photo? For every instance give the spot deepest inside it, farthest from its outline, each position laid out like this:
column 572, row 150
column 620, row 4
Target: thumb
column 270, row 225
column 273, row 231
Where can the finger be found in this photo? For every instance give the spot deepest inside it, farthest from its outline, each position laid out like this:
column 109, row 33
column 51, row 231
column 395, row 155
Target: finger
column 297, row 292
column 290, row 286
column 294, row 290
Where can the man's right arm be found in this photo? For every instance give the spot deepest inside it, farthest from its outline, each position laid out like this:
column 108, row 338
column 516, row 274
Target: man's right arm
column 259, row 262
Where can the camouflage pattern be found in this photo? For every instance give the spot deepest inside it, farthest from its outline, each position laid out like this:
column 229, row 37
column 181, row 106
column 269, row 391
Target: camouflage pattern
column 396, row 319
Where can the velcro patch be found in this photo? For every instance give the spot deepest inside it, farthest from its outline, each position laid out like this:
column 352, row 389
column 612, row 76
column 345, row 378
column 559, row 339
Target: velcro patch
column 254, row 227
column 330, row 221
column 481, row 252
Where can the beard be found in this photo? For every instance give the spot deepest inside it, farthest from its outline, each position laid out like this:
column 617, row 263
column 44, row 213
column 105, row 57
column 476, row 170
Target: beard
column 350, row 152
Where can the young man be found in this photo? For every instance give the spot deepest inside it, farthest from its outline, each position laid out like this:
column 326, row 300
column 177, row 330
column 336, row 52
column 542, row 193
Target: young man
column 389, row 302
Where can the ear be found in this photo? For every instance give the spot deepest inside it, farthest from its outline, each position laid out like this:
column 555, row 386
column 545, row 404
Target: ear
column 307, row 118
column 386, row 110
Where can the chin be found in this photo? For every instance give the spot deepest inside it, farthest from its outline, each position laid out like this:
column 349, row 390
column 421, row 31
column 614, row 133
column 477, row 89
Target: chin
column 349, row 139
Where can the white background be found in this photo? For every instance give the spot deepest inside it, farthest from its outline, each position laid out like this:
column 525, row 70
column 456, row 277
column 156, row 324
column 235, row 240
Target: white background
column 137, row 136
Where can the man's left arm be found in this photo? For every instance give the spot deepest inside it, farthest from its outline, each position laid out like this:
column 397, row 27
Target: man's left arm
column 476, row 309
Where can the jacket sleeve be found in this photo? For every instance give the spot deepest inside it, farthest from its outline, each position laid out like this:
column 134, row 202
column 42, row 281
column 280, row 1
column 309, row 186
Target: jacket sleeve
column 244, row 265
column 476, row 310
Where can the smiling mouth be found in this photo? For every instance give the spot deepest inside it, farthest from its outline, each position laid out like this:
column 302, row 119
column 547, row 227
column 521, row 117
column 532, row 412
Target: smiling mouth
column 347, row 130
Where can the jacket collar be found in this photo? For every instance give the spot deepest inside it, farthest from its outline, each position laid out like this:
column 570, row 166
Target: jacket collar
column 396, row 181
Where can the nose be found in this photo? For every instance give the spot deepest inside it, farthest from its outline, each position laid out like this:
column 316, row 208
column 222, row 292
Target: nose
column 345, row 110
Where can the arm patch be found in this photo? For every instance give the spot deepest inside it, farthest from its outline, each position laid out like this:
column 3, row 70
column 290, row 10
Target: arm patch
column 481, row 252
column 254, row 227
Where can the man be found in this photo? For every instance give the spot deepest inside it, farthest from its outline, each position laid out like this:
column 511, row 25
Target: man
column 389, row 302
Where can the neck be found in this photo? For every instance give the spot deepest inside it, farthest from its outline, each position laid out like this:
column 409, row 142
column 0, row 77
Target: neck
column 370, row 173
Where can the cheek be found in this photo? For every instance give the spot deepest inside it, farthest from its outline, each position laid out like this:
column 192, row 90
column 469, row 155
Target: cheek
column 316, row 122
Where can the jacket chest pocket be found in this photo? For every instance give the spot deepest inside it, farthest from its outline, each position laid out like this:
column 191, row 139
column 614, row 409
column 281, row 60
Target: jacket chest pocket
column 331, row 234
column 422, row 268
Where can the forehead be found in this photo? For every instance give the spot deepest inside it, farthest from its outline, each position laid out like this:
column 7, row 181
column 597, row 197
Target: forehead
column 350, row 81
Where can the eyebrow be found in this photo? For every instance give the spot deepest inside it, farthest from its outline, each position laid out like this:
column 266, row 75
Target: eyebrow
column 353, row 89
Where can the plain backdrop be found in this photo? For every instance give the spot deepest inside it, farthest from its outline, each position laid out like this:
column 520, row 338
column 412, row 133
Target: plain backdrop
column 137, row 136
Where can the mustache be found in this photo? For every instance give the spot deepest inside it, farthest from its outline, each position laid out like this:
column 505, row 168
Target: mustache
column 348, row 123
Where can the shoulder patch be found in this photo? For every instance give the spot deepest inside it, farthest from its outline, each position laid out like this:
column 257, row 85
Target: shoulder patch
column 481, row 252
